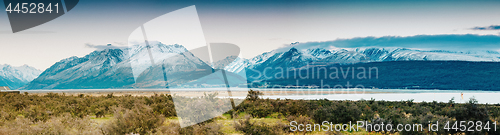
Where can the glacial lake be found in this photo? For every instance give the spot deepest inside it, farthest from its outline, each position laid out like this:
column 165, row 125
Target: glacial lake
column 490, row 97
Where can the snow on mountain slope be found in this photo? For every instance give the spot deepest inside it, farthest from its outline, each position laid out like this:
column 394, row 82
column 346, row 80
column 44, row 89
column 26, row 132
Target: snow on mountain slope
column 399, row 54
column 340, row 55
column 301, row 56
column 14, row 77
column 123, row 68
column 94, row 70
column 139, row 56
column 131, row 67
column 24, row 73
column 237, row 65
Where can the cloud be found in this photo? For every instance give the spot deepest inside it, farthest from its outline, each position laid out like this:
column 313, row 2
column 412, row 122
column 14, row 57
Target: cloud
column 492, row 27
column 445, row 42
column 119, row 43
column 102, row 47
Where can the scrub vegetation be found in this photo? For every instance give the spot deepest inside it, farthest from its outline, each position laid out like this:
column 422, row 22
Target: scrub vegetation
column 55, row 113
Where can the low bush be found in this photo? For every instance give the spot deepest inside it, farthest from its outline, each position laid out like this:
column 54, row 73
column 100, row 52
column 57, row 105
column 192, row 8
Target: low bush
column 253, row 128
column 62, row 125
column 144, row 115
column 140, row 119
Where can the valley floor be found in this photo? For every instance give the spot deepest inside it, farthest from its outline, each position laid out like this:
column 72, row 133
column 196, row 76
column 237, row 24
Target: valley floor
column 154, row 113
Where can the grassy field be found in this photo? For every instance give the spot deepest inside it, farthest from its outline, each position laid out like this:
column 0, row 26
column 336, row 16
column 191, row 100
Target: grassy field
column 119, row 114
column 227, row 124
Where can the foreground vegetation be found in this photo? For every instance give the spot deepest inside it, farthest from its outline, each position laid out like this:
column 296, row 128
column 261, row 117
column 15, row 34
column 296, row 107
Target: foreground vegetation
column 83, row 114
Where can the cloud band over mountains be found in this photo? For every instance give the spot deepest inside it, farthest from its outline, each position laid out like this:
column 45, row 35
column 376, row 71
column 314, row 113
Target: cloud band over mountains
column 447, row 42
column 492, row 27
column 102, row 47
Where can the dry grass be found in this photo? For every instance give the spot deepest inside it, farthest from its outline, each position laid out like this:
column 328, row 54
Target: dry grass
column 94, row 126
column 56, row 125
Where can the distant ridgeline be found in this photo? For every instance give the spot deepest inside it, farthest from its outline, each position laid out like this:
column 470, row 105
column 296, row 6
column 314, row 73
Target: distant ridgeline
column 111, row 68
column 445, row 75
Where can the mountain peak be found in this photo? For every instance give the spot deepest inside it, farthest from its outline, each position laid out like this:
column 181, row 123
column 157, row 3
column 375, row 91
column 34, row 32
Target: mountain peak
column 298, row 56
column 319, row 52
column 121, row 68
column 293, row 49
column 16, row 76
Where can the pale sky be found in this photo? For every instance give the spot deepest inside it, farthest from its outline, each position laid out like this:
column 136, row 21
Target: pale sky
column 256, row 27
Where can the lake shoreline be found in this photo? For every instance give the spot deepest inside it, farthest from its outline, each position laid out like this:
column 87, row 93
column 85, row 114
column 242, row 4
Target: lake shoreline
column 296, row 94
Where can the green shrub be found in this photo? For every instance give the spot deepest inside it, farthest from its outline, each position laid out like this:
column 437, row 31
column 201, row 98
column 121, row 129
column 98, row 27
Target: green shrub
column 253, row 128
column 30, row 112
column 6, row 116
column 36, row 113
column 342, row 112
column 300, row 120
column 61, row 125
column 206, row 128
column 254, row 95
column 140, row 119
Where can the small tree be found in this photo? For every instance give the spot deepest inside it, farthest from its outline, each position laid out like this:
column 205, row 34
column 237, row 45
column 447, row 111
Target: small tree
column 254, row 95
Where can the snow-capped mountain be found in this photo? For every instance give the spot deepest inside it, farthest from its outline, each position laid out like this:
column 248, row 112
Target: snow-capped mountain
column 125, row 68
column 139, row 55
column 132, row 67
column 293, row 57
column 236, row 66
column 15, row 77
column 225, row 62
column 94, row 70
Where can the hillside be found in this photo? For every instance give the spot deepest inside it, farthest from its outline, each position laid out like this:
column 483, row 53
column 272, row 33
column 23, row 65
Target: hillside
column 15, row 77
column 445, row 75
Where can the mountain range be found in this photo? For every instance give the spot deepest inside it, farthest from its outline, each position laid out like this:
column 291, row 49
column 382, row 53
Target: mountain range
column 132, row 68
column 173, row 66
column 292, row 57
column 15, row 77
